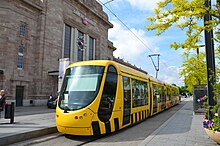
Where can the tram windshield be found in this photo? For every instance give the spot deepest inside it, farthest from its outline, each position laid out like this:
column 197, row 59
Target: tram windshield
column 80, row 87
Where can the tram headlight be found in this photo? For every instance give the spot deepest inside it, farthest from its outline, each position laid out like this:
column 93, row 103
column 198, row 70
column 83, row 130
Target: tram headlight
column 81, row 117
column 78, row 117
column 85, row 114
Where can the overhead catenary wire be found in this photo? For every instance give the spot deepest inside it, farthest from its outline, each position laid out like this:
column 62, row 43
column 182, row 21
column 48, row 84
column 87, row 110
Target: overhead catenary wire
column 104, row 4
column 162, row 62
column 108, row 2
column 136, row 36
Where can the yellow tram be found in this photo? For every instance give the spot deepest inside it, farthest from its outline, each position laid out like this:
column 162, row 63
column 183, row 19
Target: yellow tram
column 103, row 96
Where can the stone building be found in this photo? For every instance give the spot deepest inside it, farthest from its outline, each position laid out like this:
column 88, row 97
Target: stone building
column 35, row 34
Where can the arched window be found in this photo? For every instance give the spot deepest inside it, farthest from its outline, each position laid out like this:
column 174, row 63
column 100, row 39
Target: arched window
column 67, row 41
column 91, row 48
column 23, row 29
column 20, row 63
column 81, row 45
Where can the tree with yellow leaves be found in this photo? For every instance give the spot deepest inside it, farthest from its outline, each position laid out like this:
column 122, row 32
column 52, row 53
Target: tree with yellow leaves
column 188, row 15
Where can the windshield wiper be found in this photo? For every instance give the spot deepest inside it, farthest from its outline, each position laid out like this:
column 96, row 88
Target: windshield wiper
column 66, row 109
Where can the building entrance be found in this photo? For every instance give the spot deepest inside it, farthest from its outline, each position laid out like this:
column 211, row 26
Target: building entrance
column 19, row 95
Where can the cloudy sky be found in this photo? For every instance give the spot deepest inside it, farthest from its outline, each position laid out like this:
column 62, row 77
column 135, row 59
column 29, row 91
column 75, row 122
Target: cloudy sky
column 135, row 45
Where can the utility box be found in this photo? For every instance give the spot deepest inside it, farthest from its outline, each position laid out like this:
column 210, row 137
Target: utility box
column 199, row 98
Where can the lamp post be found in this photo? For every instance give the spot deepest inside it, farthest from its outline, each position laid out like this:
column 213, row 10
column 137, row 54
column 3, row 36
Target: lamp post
column 210, row 56
column 197, row 50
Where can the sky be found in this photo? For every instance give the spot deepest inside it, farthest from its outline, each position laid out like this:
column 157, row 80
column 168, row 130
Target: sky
column 134, row 45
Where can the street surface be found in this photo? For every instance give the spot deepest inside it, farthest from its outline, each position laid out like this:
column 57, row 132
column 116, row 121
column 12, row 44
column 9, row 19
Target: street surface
column 131, row 136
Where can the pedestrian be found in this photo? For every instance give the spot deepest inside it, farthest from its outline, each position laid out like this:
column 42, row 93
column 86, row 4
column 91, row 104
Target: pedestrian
column 2, row 101
column 50, row 101
column 50, row 98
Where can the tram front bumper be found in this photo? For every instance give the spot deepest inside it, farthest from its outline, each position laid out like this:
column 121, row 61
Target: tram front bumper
column 74, row 122
column 74, row 130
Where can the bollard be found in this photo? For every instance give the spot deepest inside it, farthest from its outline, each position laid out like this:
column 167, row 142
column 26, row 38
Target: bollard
column 9, row 112
column 12, row 112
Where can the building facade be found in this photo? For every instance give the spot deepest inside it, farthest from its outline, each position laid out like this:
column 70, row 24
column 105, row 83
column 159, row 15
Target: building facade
column 36, row 34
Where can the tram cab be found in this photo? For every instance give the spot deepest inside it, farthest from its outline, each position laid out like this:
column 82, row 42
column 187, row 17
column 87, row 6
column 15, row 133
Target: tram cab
column 87, row 98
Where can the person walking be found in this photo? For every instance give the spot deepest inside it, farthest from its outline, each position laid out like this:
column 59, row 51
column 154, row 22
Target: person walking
column 51, row 102
column 2, row 101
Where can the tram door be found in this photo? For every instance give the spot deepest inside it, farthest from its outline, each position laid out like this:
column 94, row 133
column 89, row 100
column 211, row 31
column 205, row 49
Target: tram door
column 19, row 95
column 127, row 100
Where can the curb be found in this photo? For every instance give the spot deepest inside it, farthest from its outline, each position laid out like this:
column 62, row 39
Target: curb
column 27, row 135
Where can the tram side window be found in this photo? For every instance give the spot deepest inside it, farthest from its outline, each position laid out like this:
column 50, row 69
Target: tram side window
column 156, row 94
column 135, row 93
column 145, row 93
column 173, row 94
column 127, row 91
column 159, row 96
column 108, row 95
column 139, row 93
column 162, row 97
column 177, row 92
column 168, row 94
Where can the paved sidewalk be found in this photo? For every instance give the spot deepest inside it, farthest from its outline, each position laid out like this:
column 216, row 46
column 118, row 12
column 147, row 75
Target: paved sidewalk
column 184, row 128
column 32, row 110
column 29, row 122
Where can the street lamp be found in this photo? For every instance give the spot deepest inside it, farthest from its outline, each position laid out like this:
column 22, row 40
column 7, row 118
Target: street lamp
column 197, row 49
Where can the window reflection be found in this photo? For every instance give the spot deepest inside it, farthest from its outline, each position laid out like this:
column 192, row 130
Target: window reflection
column 80, row 87
column 139, row 93
column 108, row 95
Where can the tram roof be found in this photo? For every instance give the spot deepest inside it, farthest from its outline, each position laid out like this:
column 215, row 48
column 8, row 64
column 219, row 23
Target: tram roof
column 123, row 68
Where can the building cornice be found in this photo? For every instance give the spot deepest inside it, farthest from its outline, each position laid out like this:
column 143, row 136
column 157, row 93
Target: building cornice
column 38, row 4
column 104, row 18
column 110, row 45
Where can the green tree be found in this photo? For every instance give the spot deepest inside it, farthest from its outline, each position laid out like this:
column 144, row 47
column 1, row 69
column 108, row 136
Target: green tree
column 188, row 16
column 183, row 91
column 193, row 70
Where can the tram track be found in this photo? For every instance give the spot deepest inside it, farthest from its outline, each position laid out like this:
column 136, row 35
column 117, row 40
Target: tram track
column 132, row 134
column 81, row 138
column 75, row 140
